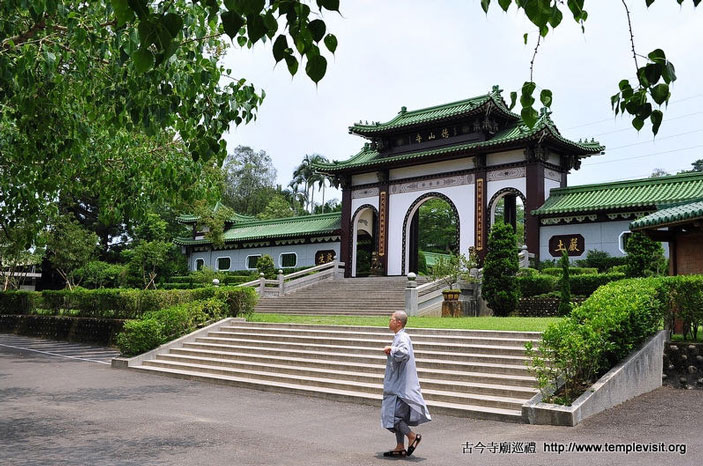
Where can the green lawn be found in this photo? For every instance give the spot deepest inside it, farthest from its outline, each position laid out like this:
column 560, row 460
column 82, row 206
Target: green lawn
column 524, row 324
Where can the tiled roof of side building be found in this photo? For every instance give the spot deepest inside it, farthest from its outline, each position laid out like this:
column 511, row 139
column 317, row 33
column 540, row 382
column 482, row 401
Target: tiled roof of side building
column 519, row 132
column 644, row 193
column 438, row 112
column 671, row 215
column 303, row 226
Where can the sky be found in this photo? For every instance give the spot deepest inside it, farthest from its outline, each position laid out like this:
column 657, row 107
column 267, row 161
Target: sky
column 417, row 54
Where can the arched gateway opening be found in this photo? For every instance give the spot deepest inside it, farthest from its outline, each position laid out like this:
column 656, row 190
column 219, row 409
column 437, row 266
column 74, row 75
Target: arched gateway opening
column 364, row 240
column 508, row 205
column 430, row 231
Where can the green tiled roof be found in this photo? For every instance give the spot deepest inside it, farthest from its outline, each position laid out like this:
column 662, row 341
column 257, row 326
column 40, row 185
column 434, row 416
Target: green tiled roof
column 642, row 193
column 439, row 112
column 368, row 157
column 291, row 227
column 684, row 212
column 236, row 218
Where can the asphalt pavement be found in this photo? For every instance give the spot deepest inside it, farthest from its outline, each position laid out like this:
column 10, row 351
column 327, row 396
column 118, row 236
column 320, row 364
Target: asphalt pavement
column 58, row 406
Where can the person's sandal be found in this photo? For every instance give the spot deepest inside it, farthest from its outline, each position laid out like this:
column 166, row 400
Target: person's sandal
column 413, row 446
column 395, row 453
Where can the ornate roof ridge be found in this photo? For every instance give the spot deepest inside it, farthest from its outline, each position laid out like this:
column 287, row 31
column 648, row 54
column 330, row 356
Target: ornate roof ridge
column 681, row 177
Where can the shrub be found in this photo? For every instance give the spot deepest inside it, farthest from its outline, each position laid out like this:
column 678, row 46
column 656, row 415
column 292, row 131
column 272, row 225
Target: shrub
column 421, row 263
column 19, row 302
column 685, row 294
column 618, row 269
column 585, row 285
column 527, row 272
column 266, row 266
column 140, row 336
column 99, row 274
column 557, row 271
column 565, row 286
column 500, row 286
column 615, row 320
column 600, row 260
column 645, row 257
column 536, row 284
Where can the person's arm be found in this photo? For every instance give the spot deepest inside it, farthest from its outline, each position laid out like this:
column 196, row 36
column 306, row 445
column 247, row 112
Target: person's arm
column 400, row 352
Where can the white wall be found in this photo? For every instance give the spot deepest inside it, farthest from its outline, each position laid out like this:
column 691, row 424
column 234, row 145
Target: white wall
column 549, row 185
column 431, row 168
column 364, row 178
column 305, row 252
column 510, row 156
column 493, row 187
column 356, row 203
column 462, row 197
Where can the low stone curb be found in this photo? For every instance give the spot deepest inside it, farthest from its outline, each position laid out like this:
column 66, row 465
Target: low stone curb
column 125, row 363
column 639, row 373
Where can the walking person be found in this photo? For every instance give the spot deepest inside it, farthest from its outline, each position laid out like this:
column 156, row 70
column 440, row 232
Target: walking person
column 403, row 405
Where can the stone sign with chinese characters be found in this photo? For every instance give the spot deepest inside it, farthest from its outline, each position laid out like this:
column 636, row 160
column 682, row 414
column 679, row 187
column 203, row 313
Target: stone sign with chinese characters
column 323, row 257
column 574, row 245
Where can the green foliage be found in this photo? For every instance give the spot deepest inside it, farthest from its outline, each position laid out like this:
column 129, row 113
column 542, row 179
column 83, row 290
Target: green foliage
column 266, row 266
column 146, row 259
column 277, row 207
column 565, row 286
column 448, row 269
column 212, row 221
column 99, row 274
column 538, row 284
column 615, row 320
column 250, row 180
column 585, row 285
column 686, row 303
column 19, row 302
column 122, row 303
column 601, row 260
column 645, row 257
column 500, row 285
column 421, row 263
column 653, row 78
column 71, row 248
column 438, row 226
column 554, row 271
column 140, row 336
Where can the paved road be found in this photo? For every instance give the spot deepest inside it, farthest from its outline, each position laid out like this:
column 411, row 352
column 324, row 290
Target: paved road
column 62, row 410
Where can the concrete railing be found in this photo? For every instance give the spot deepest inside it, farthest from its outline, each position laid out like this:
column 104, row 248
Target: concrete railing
column 286, row 284
column 424, row 299
column 524, row 257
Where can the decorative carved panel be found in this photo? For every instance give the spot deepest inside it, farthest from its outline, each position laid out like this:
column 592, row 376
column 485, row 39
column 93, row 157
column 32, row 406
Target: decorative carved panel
column 479, row 214
column 552, row 175
column 382, row 210
column 507, row 174
column 362, row 193
column 436, row 183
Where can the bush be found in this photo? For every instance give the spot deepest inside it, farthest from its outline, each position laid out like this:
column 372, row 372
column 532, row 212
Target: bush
column 616, row 319
column 557, row 271
column 585, row 285
column 19, row 302
column 421, row 263
column 645, row 257
column 140, row 336
column 536, row 285
column 527, row 272
column 600, row 260
column 618, row 269
column 99, row 274
column 685, row 294
column 500, row 285
column 266, row 266
column 565, row 286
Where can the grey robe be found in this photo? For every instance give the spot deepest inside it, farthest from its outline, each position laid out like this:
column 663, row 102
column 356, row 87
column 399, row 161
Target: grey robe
column 401, row 382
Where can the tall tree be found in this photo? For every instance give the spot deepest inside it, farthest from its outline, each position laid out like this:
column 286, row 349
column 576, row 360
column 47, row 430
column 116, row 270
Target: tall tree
column 500, row 287
column 250, row 180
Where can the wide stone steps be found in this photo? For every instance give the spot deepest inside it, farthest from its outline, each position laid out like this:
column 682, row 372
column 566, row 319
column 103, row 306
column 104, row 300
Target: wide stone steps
column 371, row 296
column 480, row 374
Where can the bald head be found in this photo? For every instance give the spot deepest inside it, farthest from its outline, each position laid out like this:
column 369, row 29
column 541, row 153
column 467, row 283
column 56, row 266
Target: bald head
column 402, row 317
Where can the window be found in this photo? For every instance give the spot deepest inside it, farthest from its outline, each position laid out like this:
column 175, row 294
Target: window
column 252, row 261
column 288, row 259
column 622, row 240
column 199, row 263
column 223, row 263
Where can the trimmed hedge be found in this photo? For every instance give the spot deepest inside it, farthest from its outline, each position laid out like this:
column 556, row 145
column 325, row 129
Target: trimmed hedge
column 156, row 328
column 536, row 284
column 585, row 285
column 581, row 285
column 557, row 271
column 614, row 321
column 120, row 303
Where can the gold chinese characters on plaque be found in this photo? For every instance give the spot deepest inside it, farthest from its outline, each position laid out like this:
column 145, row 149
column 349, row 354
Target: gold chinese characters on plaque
column 574, row 245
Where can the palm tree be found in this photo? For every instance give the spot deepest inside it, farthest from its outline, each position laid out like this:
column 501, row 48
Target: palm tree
column 305, row 176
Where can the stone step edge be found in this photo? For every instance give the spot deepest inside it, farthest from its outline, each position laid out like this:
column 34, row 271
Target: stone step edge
column 421, row 359
column 478, row 385
column 380, row 367
column 441, row 407
column 228, row 329
column 274, row 343
column 368, row 386
column 409, row 329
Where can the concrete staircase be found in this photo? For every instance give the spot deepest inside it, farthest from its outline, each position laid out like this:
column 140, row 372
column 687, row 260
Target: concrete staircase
column 477, row 374
column 370, row 296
